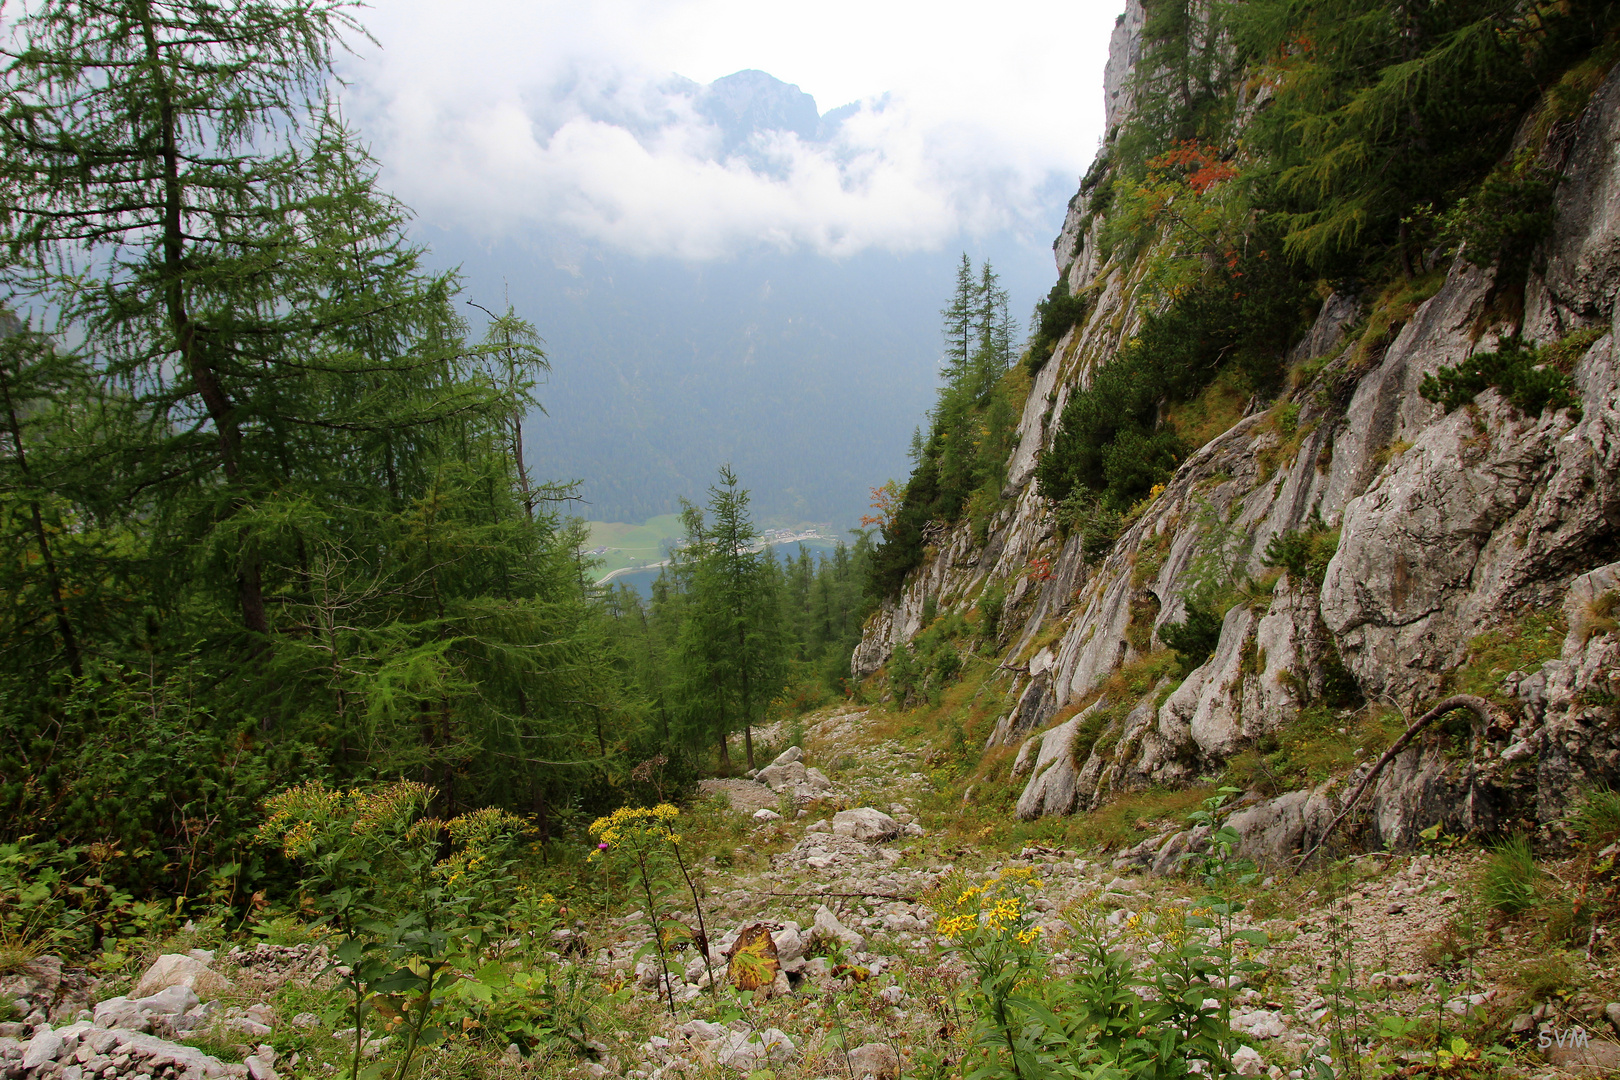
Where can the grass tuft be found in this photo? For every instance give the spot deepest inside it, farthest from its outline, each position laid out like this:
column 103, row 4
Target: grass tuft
column 1596, row 817
column 1522, row 644
column 16, row 955
column 1511, row 881
column 1543, row 977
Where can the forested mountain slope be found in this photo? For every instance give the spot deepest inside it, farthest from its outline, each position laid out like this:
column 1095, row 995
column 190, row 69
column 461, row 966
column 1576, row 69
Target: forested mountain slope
column 1323, row 420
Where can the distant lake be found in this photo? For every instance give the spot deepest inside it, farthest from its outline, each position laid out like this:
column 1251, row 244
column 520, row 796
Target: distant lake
column 642, row 580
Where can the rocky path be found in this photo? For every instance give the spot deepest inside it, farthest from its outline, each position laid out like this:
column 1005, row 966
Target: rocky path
column 838, row 872
column 865, row 881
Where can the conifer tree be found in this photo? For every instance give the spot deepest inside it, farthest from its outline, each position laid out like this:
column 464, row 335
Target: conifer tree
column 37, row 386
column 1383, row 113
column 285, row 497
column 734, row 636
column 127, row 139
column 959, row 317
column 993, row 333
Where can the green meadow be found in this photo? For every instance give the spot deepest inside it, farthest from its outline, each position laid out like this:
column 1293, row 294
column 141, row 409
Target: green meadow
column 633, row 545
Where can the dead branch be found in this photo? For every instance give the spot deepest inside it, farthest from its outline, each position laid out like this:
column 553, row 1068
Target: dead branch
column 1476, row 705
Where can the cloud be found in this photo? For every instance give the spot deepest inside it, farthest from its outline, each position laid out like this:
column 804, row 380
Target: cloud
column 546, row 116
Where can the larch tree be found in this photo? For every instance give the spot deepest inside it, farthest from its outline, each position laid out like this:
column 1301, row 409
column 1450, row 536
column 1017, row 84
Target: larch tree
column 278, row 470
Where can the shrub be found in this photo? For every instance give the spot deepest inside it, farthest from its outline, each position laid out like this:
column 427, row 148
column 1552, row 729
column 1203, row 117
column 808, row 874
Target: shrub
column 1110, row 439
column 1118, row 407
column 54, row 897
column 1194, row 638
column 1055, row 314
column 133, row 759
column 1105, row 1019
column 1304, row 553
column 991, row 602
column 1506, row 216
column 1515, row 370
column 1101, row 197
column 412, row 902
column 902, row 672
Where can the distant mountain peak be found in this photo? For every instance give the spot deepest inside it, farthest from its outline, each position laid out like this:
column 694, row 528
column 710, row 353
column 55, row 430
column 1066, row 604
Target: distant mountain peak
column 751, row 102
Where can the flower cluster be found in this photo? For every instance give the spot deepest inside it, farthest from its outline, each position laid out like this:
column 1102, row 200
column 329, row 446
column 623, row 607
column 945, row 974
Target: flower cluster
column 304, row 817
column 636, row 825
column 1153, row 930
column 994, row 909
column 458, row 866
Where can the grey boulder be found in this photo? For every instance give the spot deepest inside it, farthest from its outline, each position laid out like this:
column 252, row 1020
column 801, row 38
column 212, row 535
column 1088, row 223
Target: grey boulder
column 46, row 1045
column 865, row 824
column 828, row 928
column 778, row 777
column 874, row 1061
column 177, row 969
column 747, row 1051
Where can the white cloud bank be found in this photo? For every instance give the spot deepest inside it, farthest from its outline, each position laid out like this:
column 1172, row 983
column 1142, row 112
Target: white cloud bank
column 496, row 116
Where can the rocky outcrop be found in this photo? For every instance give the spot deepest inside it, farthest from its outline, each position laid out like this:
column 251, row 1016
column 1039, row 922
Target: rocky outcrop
column 1124, row 49
column 1485, row 511
column 1447, row 524
column 1053, row 776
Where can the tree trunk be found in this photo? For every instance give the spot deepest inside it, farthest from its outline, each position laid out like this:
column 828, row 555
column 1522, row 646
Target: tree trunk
column 725, row 752
column 221, row 411
column 64, row 625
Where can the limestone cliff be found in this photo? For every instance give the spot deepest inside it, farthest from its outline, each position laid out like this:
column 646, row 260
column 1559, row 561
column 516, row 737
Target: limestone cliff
column 1448, row 524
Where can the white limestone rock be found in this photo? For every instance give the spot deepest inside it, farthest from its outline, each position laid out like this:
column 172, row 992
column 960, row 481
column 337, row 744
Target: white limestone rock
column 177, row 969
column 865, row 824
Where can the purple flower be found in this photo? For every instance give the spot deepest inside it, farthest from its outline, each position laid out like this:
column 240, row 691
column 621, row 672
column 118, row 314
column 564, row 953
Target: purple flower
column 602, row 846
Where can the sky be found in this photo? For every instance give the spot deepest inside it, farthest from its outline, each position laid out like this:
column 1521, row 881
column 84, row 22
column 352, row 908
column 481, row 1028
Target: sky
column 497, row 116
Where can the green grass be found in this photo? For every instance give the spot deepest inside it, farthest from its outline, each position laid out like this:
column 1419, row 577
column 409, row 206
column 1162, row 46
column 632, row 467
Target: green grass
column 1543, row 977
column 1397, row 303
column 1317, row 744
column 214, row 1046
column 1596, row 817
column 1522, row 644
column 1213, row 412
column 634, row 545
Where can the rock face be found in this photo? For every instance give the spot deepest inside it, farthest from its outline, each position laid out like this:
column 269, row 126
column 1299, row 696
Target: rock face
column 1054, row 783
column 1448, row 525
column 44, row 989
